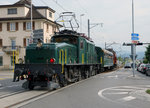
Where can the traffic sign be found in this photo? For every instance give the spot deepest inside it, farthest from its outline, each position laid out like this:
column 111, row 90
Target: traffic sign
column 134, row 41
column 134, row 38
column 37, row 34
column 134, row 34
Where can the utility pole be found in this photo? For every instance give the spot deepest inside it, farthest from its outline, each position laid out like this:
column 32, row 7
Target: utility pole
column 31, row 38
column 94, row 25
column 88, row 28
column 133, row 47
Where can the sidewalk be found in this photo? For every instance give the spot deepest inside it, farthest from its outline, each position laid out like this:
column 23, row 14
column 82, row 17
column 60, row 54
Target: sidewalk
column 6, row 74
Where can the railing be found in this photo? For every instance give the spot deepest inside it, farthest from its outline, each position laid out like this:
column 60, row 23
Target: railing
column 10, row 49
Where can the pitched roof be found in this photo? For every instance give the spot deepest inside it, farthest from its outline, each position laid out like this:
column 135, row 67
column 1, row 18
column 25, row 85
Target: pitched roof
column 28, row 2
column 35, row 15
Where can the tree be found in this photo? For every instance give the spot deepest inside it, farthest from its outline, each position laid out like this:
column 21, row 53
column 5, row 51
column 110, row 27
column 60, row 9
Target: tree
column 147, row 54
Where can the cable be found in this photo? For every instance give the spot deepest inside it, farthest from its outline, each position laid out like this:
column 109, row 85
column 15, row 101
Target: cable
column 60, row 5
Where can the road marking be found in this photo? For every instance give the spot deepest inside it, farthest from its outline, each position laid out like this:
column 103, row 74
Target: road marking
column 117, row 93
column 121, row 89
column 116, row 76
column 128, row 98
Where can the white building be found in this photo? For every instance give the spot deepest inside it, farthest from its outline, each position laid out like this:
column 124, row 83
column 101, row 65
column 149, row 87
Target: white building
column 15, row 29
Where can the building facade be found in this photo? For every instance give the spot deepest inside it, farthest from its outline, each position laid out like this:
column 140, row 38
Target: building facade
column 15, row 29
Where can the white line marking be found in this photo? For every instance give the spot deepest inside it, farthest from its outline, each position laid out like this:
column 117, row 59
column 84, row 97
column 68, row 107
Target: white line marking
column 116, row 76
column 121, row 89
column 128, row 98
column 118, row 93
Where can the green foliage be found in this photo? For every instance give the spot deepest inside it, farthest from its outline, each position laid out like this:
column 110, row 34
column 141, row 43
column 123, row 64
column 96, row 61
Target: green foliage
column 147, row 55
column 145, row 60
column 148, row 91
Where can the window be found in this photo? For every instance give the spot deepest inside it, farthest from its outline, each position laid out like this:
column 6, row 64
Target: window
column 12, row 26
column 1, row 43
column 12, row 11
column 26, row 42
column 13, row 44
column 1, row 60
column 13, row 59
column 28, row 26
column 81, row 44
column 50, row 14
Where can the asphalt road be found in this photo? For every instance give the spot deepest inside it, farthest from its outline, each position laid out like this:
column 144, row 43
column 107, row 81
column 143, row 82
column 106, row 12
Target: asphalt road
column 108, row 90
column 7, row 87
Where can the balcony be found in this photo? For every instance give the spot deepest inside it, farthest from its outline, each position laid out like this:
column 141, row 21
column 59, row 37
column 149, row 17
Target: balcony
column 10, row 49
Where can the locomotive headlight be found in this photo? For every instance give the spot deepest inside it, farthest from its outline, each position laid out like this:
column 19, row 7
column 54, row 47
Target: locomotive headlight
column 52, row 60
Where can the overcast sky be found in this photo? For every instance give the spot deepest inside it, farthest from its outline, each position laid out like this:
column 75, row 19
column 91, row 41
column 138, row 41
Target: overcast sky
column 115, row 14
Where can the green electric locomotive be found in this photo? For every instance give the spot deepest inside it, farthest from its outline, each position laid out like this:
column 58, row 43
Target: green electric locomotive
column 69, row 57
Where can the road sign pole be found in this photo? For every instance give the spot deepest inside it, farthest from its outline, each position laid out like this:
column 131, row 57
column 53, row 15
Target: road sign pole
column 134, row 46
column 134, row 53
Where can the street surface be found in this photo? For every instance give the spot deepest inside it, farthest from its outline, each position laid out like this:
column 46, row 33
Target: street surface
column 116, row 89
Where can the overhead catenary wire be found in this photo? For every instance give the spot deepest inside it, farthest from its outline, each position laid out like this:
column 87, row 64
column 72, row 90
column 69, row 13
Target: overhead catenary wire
column 59, row 5
column 47, row 2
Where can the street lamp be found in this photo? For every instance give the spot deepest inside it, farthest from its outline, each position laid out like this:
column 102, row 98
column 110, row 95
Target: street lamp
column 81, row 22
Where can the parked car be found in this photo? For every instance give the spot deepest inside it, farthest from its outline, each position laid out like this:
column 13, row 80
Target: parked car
column 147, row 72
column 127, row 65
column 138, row 66
column 143, row 68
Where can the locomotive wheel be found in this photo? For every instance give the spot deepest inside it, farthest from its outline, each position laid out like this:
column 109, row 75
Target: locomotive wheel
column 79, row 75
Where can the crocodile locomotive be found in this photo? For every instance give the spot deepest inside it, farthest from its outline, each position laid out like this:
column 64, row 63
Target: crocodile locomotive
column 69, row 57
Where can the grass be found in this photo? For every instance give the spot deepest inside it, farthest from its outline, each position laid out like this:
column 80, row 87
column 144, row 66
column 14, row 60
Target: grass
column 148, row 91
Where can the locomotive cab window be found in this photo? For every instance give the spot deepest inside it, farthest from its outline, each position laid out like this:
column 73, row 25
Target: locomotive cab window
column 81, row 44
column 67, row 39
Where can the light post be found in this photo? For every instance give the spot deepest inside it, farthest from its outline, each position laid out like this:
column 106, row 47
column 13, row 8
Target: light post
column 81, row 22
column 31, row 38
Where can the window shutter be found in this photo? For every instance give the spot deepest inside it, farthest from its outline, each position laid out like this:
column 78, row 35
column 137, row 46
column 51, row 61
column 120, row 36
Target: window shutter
column 8, row 26
column 24, row 42
column 1, row 43
column 24, row 25
column 0, row 26
column 33, row 25
column 16, row 26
